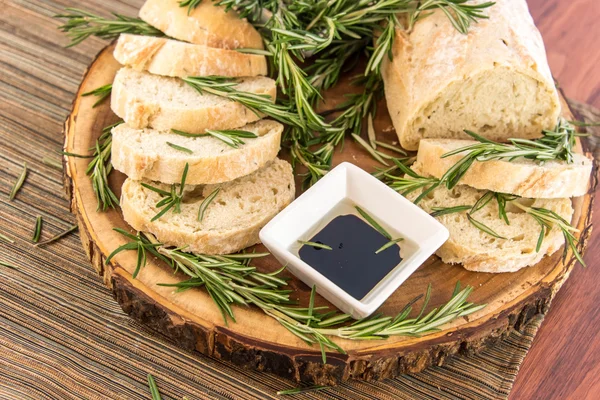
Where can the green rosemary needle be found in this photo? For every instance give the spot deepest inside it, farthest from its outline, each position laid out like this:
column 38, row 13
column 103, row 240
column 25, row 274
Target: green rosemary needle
column 153, row 388
column 315, row 244
column 103, row 92
column 180, row 148
column 231, row 137
column 8, row 265
column 170, row 199
column 6, row 238
column 19, row 183
column 302, row 390
column 37, row 231
column 439, row 211
column 372, row 222
column 388, row 245
column 206, row 202
column 483, row 227
column 57, row 237
column 51, row 162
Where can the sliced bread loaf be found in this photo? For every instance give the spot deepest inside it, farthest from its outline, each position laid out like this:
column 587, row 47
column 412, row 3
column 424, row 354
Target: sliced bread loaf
column 522, row 177
column 154, row 155
column 494, row 81
column 232, row 219
column 206, row 24
column 167, row 57
column 146, row 100
column 481, row 252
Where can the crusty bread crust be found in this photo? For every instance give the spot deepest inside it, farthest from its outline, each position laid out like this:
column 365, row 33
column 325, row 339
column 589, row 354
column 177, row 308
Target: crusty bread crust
column 162, row 164
column 522, row 177
column 146, row 111
column 207, row 24
column 167, row 57
column 184, row 230
column 501, row 58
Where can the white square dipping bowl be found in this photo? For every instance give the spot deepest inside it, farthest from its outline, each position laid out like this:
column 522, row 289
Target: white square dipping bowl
column 392, row 210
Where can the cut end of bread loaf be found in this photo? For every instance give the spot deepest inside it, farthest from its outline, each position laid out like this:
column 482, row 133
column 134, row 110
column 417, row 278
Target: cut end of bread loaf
column 206, row 24
column 497, row 104
column 161, row 56
column 231, row 221
column 522, row 177
column 481, row 252
column 151, row 154
column 146, row 100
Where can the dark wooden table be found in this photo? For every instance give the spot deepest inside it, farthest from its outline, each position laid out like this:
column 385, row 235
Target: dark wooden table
column 37, row 73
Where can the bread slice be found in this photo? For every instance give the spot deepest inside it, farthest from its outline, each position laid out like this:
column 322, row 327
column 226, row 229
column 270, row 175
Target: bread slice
column 146, row 154
column 494, row 81
column 523, row 177
column 232, row 219
column 480, row 252
column 206, row 24
column 167, row 57
column 146, row 100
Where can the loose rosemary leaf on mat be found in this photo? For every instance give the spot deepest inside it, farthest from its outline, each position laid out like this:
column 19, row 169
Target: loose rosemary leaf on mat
column 8, row 265
column 18, row 183
column 57, row 237
column 6, row 238
column 37, row 230
column 153, row 388
column 232, row 280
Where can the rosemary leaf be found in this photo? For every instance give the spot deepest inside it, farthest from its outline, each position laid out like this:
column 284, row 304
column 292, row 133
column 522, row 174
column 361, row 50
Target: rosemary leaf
column 373, row 223
column 315, row 244
column 370, row 149
column 206, row 202
column 481, row 226
column 180, row 148
column 439, row 211
column 371, row 132
column 52, row 163
column 391, row 147
column 103, row 92
column 19, row 183
column 388, row 245
column 57, row 237
column 6, row 238
column 37, row 231
column 8, row 265
column 483, row 201
column 153, row 388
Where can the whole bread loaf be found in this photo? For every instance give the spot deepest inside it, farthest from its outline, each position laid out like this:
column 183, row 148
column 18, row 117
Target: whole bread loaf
column 154, row 155
column 232, row 219
column 167, row 57
column 520, row 176
column 206, row 24
column 477, row 250
column 146, row 100
column 495, row 80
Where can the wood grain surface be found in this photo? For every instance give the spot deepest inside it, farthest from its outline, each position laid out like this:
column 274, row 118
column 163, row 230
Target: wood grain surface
column 49, row 333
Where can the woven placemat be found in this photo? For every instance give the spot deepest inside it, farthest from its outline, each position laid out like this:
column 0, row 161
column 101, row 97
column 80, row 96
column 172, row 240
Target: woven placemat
column 62, row 336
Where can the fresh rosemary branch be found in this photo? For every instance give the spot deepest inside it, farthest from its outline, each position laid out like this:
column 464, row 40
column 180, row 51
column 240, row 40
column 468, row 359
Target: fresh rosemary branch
column 557, row 144
column 408, row 181
column 80, row 25
column 99, row 169
column 103, row 92
column 19, row 183
column 37, row 230
column 232, row 280
column 170, row 199
column 548, row 219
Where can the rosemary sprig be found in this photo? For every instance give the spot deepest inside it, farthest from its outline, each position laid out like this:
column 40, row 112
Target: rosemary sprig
column 549, row 219
column 409, row 181
column 57, row 237
column 19, row 183
column 557, row 144
column 80, row 25
column 153, row 388
column 37, row 230
column 231, row 280
column 99, row 169
column 170, row 199
column 206, row 202
column 190, row 4
column 180, row 148
column 103, row 92
column 315, row 244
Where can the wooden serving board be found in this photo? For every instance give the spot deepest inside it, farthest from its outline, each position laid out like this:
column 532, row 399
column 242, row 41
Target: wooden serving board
column 192, row 321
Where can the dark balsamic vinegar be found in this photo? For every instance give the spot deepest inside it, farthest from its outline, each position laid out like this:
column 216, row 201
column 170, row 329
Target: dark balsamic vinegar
column 352, row 263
